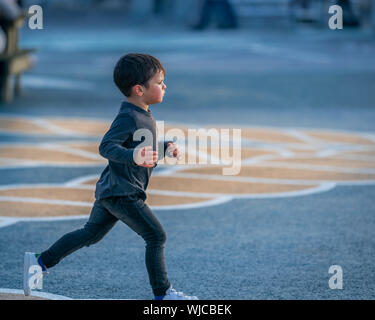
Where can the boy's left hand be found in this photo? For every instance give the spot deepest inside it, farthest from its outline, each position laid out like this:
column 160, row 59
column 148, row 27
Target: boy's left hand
column 173, row 150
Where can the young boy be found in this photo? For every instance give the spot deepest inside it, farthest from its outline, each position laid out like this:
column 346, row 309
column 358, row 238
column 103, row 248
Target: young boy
column 120, row 191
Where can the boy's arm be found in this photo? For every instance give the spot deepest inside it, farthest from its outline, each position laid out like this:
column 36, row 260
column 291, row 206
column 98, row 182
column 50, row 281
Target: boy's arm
column 111, row 146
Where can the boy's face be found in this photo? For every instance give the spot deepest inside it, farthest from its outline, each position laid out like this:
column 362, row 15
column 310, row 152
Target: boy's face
column 156, row 89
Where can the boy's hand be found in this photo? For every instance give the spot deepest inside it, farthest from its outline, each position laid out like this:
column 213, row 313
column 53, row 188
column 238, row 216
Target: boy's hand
column 146, row 157
column 173, row 150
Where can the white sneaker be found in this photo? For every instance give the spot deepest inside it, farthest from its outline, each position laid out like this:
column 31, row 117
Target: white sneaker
column 172, row 294
column 32, row 273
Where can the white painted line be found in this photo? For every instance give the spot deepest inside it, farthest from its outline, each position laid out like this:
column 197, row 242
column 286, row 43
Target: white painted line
column 48, row 219
column 244, row 179
column 357, row 158
column 183, row 193
column 46, row 295
column 169, row 170
column 70, row 150
column 34, row 164
column 46, row 201
column 79, row 181
column 5, row 221
column 39, row 294
column 263, row 158
column 370, row 136
column 355, row 183
column 45, row 124
column 365, row 135
column 328, row 153
column 56, row 83
column 63, row 142
column 34, row 186
column 208, row 203
column 52, row 146
column 321, row 188
column 298, row 134
column 298, row 166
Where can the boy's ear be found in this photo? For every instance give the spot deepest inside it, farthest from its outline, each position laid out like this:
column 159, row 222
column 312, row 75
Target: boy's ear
column 138, row 90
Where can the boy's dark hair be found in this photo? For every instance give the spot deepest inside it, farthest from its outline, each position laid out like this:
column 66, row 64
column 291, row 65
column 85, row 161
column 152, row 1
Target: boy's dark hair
column 135, row 68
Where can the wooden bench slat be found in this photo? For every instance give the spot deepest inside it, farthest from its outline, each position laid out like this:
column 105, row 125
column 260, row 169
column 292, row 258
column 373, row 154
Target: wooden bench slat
column 5, row 57
column 20, row 63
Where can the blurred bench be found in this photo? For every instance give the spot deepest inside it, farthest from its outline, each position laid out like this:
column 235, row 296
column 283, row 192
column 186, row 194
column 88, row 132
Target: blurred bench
column 13, row 62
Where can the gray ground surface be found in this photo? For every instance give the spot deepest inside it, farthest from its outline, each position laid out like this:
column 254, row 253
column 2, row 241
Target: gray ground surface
column 253, row 249
column 244, row 249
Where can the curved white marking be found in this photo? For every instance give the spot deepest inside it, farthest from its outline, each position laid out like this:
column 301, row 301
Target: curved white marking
column 357, row 157
column 72, row 150
column 6, row 221
column 326, row 186
column 78, row 181
column 298, row 134
column 45, row 124
column 56, row 83
column 295, row 165
column 183, row 193
column 219, row 199
column 262, row 158
column 208, row 203
column 245, row 179
column 45, row 295
column 46, row 201
column 48, row 219
column 32, row 164
column 330, row 148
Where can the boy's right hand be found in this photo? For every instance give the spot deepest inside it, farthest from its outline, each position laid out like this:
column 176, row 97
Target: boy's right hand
column 146, row 157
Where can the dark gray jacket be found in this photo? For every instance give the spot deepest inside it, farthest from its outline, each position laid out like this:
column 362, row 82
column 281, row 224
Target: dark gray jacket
column 122, row 177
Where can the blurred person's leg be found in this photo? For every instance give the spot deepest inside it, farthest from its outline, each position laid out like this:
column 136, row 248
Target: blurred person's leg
column 226, row 17
column 158, row 6
column 349, row 18
column 204, row 15
column 3, row 40
column 163, row 8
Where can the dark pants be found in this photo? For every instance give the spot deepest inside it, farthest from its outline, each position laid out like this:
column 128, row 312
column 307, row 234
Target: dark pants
column 105, row 213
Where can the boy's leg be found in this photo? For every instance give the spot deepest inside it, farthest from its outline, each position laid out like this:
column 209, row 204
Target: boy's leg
column 139, row 217
column 99, row 223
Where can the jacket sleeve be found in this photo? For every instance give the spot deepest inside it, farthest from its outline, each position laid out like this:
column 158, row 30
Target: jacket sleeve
column 112, row 147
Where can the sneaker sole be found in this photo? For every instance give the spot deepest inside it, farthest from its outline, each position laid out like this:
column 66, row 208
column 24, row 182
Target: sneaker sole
column 26, row 266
